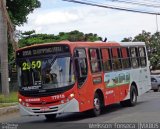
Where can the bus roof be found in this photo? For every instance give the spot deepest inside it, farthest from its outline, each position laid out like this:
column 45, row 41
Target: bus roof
column 88, row 44
column 132, row 43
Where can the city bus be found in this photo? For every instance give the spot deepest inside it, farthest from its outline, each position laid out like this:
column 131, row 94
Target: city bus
column 68, row 76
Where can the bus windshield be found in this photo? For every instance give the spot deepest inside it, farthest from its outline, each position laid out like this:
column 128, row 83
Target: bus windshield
column 45, row 73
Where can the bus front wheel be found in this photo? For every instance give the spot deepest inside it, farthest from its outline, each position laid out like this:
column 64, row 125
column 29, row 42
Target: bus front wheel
column 96, row 111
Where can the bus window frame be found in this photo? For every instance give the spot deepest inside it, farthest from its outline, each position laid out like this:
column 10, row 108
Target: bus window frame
column 137, row 56
column 126, row 58
column 110, row 59
column 119, row 58
column 75, row 69
column 142, row 57
column 98, row 60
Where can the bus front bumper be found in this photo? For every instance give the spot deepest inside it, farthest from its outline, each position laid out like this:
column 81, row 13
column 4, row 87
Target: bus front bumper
column 71, row 106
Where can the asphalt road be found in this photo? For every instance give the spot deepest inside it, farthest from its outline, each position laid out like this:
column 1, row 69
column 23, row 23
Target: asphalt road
column 146, row 110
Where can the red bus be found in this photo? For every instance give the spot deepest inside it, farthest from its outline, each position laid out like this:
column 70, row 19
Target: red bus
column 79, row 76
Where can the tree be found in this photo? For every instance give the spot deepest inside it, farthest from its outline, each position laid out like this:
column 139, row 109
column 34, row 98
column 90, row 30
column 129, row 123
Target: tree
column 19, row 9
column 28, row 38
column 28, row 33
column 129, row 39
column 153, row 46
column 3, row 50
column 154, row 50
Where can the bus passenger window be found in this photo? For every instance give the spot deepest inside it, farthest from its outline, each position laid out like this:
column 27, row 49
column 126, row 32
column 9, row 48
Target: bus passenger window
column 95, row 60
column 116, row 59
column 134, row 57
column 107, row 66
column 125, row 58
column 142, row 56
column 81, row 65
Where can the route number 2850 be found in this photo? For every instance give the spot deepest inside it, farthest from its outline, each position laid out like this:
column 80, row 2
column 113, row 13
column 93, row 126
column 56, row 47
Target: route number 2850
column 33, row 65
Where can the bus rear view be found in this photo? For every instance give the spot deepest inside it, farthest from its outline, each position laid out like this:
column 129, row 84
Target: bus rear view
column 46, row 80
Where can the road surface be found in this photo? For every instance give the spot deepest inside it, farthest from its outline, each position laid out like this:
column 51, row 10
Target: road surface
column 146, row 110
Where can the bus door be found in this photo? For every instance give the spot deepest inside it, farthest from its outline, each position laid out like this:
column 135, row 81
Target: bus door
column 83, row 81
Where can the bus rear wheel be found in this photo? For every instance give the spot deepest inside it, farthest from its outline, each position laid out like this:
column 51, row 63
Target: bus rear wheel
column 158, row 89
column 50, row 117
column 155, row 90
column 133, row 98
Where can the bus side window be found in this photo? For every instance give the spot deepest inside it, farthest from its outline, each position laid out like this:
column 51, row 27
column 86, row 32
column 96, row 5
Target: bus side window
column 106, row 59
column 125, row 58
column 134, row 57
column 94, row 60
column 142, row 56
column 116, row 59
column 81, row 65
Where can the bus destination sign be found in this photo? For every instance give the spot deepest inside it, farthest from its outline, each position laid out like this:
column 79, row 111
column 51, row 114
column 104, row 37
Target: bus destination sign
column 35, row 51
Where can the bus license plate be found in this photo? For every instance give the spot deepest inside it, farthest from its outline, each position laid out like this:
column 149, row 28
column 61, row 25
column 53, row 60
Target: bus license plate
column 44, row 109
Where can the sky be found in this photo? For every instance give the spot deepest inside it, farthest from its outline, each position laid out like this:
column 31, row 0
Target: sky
column 56, row 16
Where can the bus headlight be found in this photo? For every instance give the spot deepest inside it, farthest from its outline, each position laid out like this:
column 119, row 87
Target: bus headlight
column 20, row 100
column 71, row 95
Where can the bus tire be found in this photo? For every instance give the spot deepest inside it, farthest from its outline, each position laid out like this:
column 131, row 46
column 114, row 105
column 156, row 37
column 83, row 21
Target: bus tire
column 133, row 98
column 123, row 103
column 158, row 89
column 50, row 117
column 96, row 111
column 155, row 90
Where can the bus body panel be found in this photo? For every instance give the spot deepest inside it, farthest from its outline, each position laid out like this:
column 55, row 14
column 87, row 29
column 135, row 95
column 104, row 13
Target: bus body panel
column 141, row 78
column 117, row 86
column 70, row 106
column 85, row 96
column 64, row 102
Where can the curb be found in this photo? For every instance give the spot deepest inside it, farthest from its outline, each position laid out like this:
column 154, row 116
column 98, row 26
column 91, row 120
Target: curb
column 10, row 109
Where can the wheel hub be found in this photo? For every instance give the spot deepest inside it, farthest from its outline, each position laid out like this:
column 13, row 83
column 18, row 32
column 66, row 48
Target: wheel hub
column 97, row 103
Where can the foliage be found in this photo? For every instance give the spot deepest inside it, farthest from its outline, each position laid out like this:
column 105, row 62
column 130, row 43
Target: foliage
column 19, row 9
column 10, row 52
column 7, row 104
column 9, row 99
column 153, row 46
column 28, row 38
column 28, row 33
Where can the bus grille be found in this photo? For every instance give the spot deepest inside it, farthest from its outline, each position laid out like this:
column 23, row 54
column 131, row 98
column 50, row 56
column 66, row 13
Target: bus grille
column 51, row 109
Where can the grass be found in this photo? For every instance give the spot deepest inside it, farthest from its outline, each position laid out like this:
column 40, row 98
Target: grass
column 12, row 98
column 7, row 104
